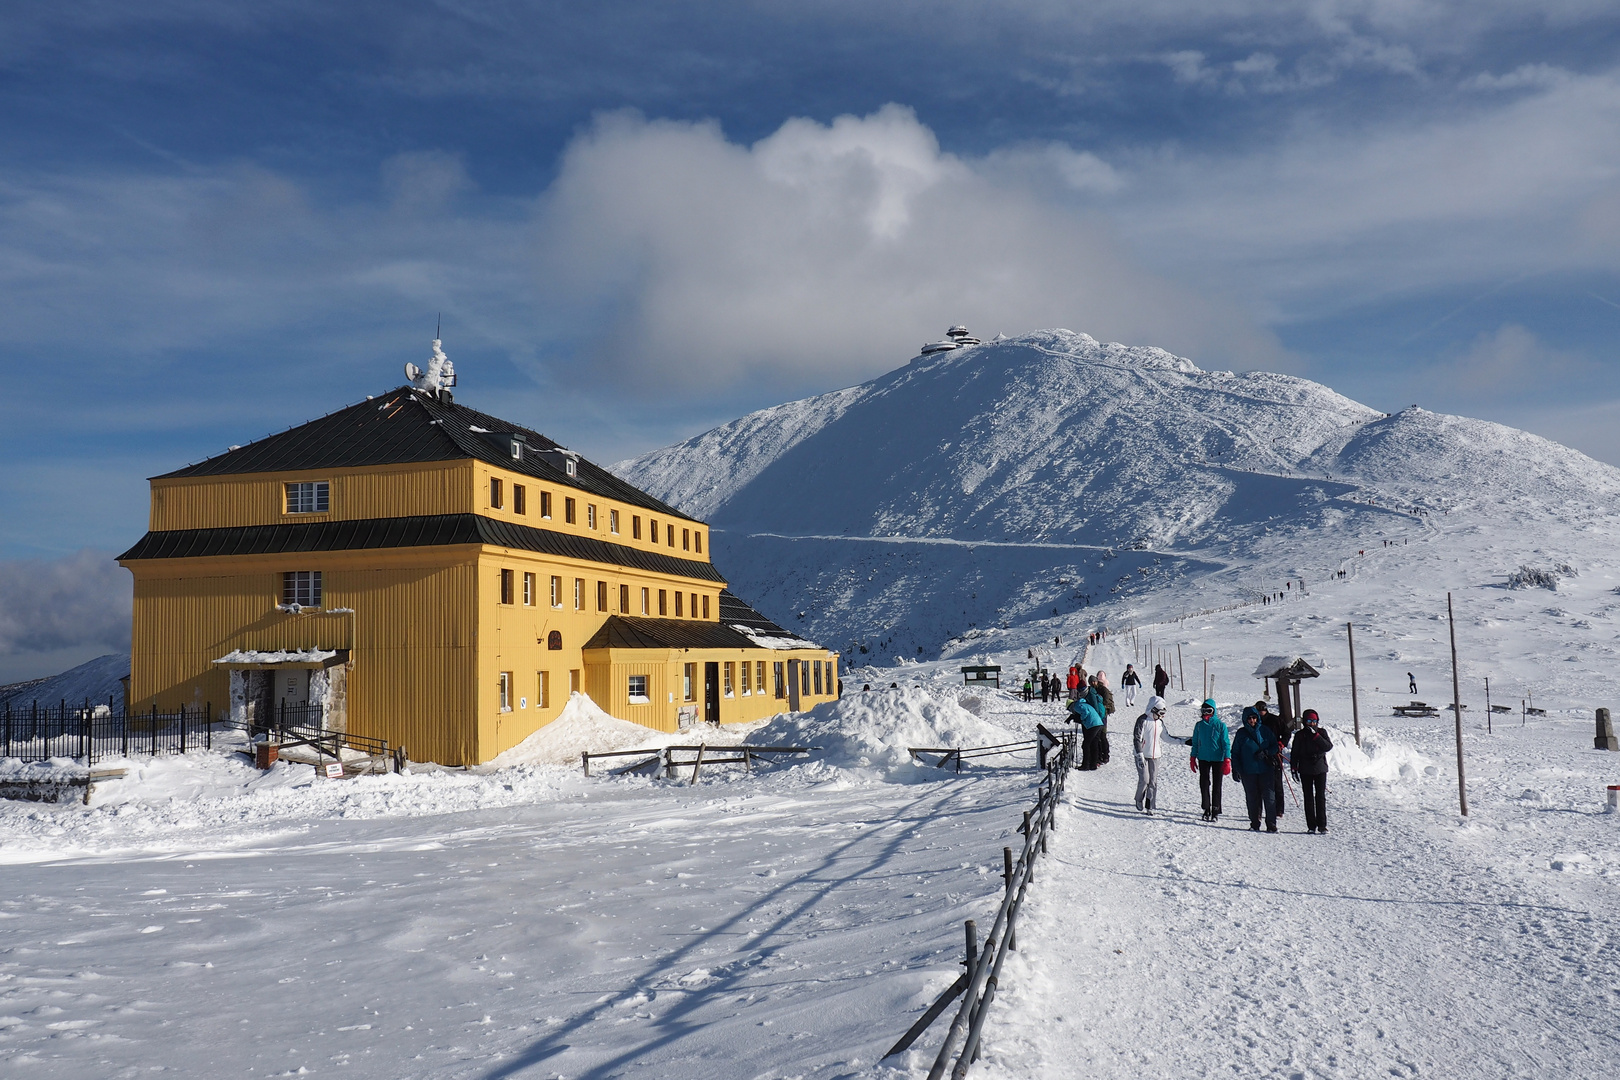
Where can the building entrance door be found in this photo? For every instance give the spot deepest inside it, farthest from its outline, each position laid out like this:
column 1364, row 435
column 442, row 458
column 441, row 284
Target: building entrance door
column 711, row 692
column 793, row 686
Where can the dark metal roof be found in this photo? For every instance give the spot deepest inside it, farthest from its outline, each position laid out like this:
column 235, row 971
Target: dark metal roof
column 630, row 632
column 407, row 425
column 735, row 611
column 429, row 530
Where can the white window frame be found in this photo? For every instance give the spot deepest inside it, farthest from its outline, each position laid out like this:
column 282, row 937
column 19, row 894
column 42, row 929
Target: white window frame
column 556, row 591
column 301, row 588
column 505, row 684
column 613, row 522
column 636, row 685
column 308, row 497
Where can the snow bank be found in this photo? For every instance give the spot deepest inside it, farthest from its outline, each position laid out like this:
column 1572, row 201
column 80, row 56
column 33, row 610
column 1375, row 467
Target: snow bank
column 583, row 725
column 873, row 729
column 1379, row 757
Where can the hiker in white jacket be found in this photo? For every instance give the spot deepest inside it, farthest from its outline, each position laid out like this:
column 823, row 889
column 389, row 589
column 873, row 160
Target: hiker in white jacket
column 1149, row 740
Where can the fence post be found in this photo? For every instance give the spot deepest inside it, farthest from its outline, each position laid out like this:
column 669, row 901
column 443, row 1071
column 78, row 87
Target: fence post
column 1007, row 877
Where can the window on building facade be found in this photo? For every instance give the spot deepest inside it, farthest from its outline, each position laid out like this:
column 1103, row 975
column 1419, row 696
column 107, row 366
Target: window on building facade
column 680, row 600
column 694, row 605
column 624, row 599
column 646, row 601
column 663, row 601
column 545, row 505
column 780, row 682
column 494, row 493
column 705, row 605
column 613, row 521
column 568, row 510
column 520, row 500
column 688, row 679
column 653, row 525
column 590, row 515
column 309, row 497
column 804, row 678
column 669, row 534
column 506, row 691
column 506, row 586
column 556, row 592
column 731, row 678
column 573, row 680
column 759, row 676
column 686, row 539
column 601, row 596
column 528, row 590
column 638, row 690
column 301, row 587
column 579, row 594
column 543, row 689
column 697, row 541
column 554, row 641
column 635, row 526
column 746, row 671
column 816, row 679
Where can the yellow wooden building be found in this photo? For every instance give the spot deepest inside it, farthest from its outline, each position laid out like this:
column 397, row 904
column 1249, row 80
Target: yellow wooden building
column 413, row 570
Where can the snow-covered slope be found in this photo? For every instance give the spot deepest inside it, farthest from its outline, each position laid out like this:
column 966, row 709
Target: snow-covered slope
column 1033, row 477
column 95, row 681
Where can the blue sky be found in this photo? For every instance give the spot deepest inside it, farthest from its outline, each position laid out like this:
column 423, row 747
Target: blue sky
column 641, row 219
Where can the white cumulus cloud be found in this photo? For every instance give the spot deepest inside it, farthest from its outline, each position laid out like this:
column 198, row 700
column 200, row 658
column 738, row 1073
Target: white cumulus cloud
column 674, row 257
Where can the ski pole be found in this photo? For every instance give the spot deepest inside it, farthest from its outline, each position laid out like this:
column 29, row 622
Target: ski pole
column 1291, row 789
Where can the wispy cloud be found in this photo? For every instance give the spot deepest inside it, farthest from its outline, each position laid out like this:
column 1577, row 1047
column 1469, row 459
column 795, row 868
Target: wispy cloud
column 81, row 601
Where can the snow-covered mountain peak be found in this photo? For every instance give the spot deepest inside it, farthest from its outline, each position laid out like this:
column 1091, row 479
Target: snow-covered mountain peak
column 1026, row 477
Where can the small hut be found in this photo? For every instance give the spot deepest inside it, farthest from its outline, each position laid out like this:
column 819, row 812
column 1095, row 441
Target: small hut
column 1287, row 672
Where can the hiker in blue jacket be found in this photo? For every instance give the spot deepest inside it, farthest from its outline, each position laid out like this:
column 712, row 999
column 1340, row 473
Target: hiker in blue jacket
column 1091, row 726
column 1211, row 757
column 1254, row 758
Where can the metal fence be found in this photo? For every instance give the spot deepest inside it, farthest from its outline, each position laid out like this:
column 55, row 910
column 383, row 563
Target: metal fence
column 982, row 970
column 88, row 733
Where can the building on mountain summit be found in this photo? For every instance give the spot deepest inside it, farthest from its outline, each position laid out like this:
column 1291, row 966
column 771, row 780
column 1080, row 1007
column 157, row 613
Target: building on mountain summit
column 413, row 570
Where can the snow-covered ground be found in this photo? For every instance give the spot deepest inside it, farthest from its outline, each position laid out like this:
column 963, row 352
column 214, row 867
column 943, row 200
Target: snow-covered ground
column 1409, row 941
column 206, row 920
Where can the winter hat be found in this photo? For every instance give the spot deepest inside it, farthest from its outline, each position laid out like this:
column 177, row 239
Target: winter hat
column 1102, row 678
column 1310, row 717
column 1155, row 704
column 1261, row 707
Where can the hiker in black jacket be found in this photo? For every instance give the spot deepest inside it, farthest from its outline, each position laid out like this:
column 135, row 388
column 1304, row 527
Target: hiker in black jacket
column 1281, row 729
column 1161, row 679
column 1310, row 765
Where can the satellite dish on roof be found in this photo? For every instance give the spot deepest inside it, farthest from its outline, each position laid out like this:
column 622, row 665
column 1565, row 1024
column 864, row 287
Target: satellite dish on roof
column 412, row 372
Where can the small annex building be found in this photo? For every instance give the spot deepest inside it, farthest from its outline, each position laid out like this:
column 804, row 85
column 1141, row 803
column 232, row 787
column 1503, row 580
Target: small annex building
column 410, row 569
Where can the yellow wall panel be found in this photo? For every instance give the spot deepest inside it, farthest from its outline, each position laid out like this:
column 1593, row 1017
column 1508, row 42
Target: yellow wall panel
column 378, row 491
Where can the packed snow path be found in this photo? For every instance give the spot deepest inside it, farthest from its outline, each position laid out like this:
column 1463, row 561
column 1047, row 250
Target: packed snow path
column 1406, row 942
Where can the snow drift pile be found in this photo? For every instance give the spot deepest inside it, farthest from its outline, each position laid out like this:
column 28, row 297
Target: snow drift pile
column 875, row 728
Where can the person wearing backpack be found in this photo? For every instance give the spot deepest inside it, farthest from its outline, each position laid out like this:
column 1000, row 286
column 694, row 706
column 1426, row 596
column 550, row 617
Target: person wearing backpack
column 1310, row 765
column 1148, row 741
column 1254, row 757
column 1091, row 725
column 1211, row 757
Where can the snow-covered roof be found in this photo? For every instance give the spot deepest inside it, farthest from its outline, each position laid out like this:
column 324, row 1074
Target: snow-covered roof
column 246, row 657
column 1293, row 667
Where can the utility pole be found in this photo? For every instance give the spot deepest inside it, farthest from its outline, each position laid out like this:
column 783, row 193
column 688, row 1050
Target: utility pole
column 1355, row 708
column 1456, row 705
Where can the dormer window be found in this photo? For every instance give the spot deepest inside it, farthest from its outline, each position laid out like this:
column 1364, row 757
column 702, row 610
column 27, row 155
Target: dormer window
column 309, row 497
